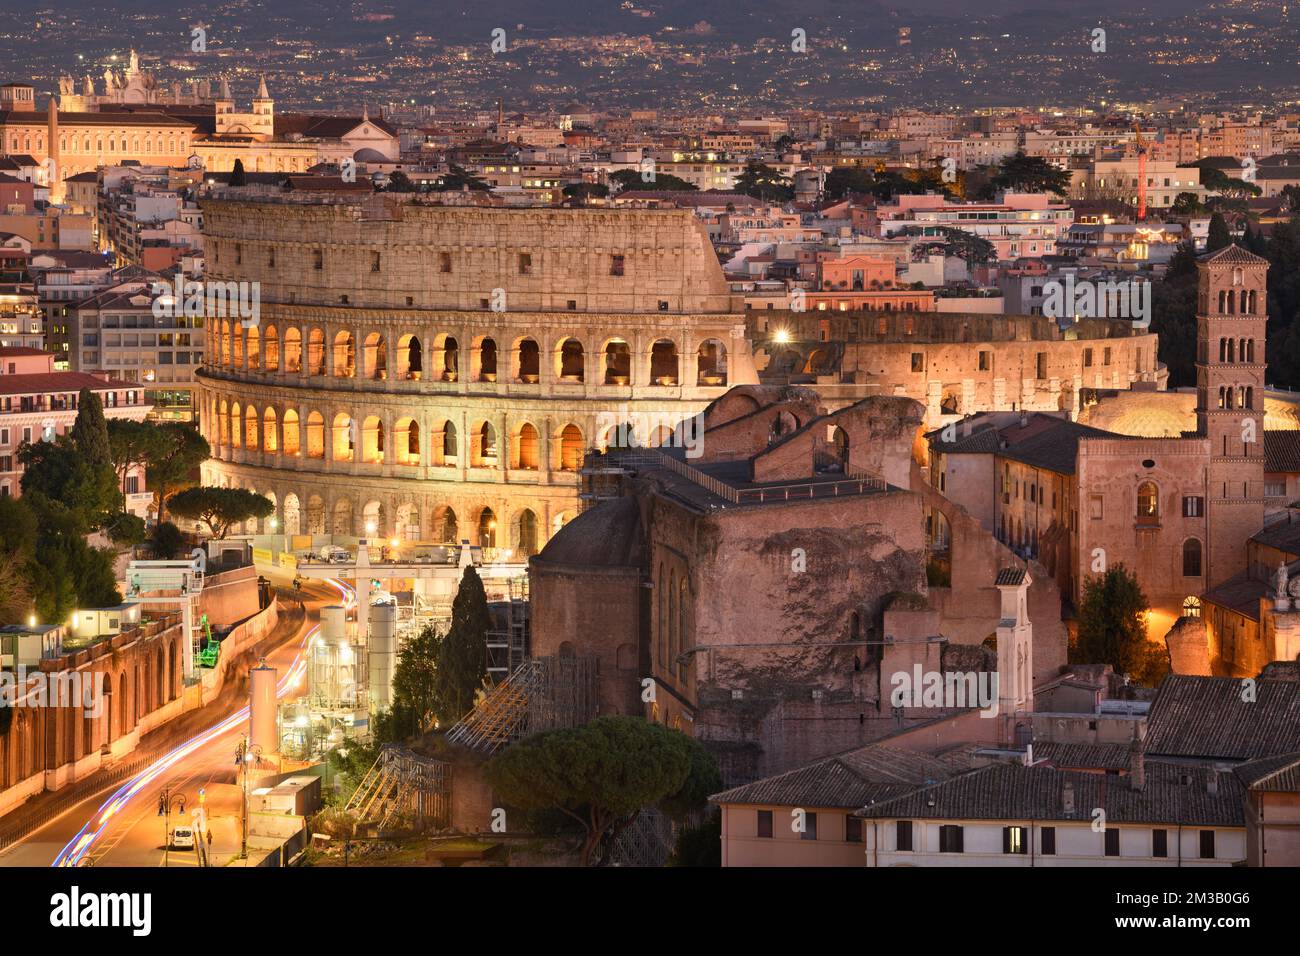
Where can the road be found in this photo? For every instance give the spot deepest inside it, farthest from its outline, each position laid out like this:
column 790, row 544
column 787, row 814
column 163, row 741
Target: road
column 121, row 826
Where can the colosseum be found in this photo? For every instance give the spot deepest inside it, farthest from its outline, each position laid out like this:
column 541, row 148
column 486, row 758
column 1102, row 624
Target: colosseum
column 437, row 372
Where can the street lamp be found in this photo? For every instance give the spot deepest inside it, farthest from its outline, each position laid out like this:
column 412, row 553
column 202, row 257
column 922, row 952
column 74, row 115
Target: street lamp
column 165, row 803
column 246, row 754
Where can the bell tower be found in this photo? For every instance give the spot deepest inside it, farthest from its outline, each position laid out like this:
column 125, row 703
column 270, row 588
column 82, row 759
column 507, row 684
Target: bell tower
column 1232, row 303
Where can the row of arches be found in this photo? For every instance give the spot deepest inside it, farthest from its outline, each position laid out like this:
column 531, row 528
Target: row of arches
column 147, row 680
column 367, row 439
column 1237, row 396
column 522, row 532
column 1237, row 350
column 347, row 355
column 1238, row 302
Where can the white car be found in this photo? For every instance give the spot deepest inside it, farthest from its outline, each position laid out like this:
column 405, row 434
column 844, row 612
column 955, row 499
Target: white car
column 183, row 838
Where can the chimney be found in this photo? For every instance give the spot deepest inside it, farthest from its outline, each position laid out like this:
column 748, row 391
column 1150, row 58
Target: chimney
column 1067, row 797
column 1137, row 770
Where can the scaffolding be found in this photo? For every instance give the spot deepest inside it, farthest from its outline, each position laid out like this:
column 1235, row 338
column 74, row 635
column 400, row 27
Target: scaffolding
column 543, row 693
column 403, row 785
column 507, row 639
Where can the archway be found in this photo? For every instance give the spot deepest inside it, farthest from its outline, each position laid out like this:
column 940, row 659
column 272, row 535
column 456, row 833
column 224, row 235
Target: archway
column 524, row 534
column 487, row 529
column 663, row 363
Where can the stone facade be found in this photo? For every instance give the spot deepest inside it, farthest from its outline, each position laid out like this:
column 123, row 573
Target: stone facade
column 438, row 372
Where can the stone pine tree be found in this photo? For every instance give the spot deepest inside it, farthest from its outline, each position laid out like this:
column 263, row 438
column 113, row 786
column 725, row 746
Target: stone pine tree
column 462, row 656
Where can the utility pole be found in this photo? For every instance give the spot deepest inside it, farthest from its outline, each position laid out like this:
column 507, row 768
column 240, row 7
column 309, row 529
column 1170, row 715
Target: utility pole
column 165, row 811
column 245, row 754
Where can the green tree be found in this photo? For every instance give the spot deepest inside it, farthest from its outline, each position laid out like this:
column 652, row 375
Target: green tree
column 1173, row 316
column 219, row 508
column 399, row 182
column 763, row 182
column 699, row 845
column 1187, row 204
column 631, row 179
column 601, row 775
column 17, row 548
column 71, row 480
column 415, row 683
column 1113, row 630
column 462, row 654
column 1219, row 237
column 167, row 540
column 457, row 178
column 1029, row 174
column 848, row 179
column 237, row 175
column 133, row 444
column 177, row 461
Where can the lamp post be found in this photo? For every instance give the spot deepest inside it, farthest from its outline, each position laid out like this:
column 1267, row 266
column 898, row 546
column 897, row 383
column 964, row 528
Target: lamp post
column 165, row 803
column 246, row 754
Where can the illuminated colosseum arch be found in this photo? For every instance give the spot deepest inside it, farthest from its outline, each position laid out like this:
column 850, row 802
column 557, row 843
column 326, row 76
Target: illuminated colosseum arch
column 446, row 358
column 343, row 363
column 445, row 528
column 711, row 363
column 570, row 361
column 484, row 452
column 560, row 520
column 410, row 358
column 273, row 522
column 250, row 429
column 408, row 522
column 315, row 515
column 316, row 352
column 253, row 348
column 484, row 360
column 406, row 442
column 486, row 529
column 373, row 440
column 342, row 440
column 663, row 363
column 225, row 342
column 373, row 519
column 223, row 424
column 447, row 444
column 374, row 362
column 292, row 436
column 571, row 448
column 617, row 359
column 526, row 445
column 236, row 426
column 528, row 362
column 237, row 338
column 270, row 350
column 343, row 517
column 523, row 534
column 315, row 435
column 292, row 518
column 292, row 350
column 269, row 435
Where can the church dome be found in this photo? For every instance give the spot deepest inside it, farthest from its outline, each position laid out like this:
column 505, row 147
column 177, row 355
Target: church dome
column 369, row 155
column 608, row 535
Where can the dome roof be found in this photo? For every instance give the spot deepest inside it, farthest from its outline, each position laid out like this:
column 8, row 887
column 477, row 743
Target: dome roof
column 608, row 535
column 368, row 155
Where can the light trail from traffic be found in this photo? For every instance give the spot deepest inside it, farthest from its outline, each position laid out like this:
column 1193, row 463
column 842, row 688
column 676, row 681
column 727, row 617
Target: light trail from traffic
column 76, row 849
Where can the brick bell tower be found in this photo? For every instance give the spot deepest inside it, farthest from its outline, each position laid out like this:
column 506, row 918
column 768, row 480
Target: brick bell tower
column 1232, row 303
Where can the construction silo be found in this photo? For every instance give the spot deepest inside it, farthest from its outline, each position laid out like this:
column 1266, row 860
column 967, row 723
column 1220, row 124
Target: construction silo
column 382, row 651
column 262, row 730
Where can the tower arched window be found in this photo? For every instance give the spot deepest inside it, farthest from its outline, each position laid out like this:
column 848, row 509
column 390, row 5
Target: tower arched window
column 1191, row 558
